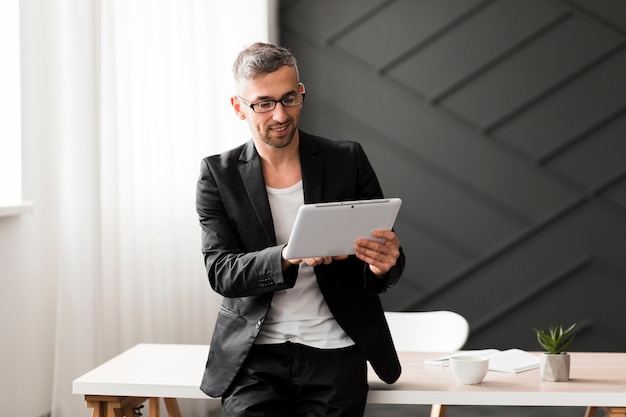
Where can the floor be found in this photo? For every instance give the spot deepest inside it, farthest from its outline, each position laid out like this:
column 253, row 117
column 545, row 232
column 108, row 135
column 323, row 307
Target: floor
column 376, row 410
column 211, row 408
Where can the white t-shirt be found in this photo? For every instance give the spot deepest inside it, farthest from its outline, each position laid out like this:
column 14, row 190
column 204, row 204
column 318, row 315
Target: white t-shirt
column 298, row 314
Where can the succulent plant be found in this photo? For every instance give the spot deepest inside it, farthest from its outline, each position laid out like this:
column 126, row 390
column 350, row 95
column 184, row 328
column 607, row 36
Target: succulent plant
column 555, row 340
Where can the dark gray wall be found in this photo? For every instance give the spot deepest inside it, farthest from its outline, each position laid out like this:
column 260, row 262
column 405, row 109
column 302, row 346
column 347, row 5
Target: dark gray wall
column 502, row 126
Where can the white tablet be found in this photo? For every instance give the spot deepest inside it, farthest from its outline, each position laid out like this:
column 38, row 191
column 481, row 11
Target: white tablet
column 331, row 229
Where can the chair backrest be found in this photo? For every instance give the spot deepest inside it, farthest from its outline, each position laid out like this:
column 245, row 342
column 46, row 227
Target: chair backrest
column 427, row 331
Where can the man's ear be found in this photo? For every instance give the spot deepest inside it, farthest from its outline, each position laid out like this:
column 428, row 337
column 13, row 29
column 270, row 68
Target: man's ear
column 234, row 101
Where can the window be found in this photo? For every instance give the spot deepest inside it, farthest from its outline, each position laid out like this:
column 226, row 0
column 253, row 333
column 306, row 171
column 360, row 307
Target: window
column 10, row 109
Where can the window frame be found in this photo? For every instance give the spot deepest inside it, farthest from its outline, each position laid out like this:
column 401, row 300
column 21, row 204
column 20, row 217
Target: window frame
column 11, row 198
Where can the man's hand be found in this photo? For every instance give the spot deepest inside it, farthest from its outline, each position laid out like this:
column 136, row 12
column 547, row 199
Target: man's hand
column 311, row 261
column 323, row 260
column 381, row 257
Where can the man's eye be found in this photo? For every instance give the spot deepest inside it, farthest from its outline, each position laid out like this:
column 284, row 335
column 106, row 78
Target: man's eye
column 289, row 100
column 265, row 105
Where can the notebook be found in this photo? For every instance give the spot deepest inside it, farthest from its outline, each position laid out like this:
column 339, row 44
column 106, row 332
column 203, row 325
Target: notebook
column 509, row 360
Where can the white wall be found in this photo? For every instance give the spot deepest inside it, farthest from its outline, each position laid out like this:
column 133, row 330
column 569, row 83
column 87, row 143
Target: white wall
column 28, row 243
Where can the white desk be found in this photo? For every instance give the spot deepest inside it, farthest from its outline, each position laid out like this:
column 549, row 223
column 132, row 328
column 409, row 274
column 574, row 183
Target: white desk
column 154, row 371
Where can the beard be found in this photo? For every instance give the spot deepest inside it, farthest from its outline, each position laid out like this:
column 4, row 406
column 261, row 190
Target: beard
column 281, row 142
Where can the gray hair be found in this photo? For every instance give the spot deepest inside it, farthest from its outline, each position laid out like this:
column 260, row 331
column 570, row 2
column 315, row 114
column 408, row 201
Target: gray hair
column 262, row 58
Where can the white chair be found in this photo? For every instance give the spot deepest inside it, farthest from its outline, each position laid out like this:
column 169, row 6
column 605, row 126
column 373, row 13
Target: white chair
column 428, row 331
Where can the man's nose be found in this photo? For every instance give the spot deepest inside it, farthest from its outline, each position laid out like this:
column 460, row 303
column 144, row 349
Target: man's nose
column 279, row 113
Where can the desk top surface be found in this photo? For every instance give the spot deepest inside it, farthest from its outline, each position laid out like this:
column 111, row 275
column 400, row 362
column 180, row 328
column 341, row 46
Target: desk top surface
column 175, row 371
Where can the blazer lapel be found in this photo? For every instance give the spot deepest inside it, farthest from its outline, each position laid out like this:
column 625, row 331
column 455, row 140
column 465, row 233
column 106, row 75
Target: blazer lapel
column 312, row 170
column 252, row 176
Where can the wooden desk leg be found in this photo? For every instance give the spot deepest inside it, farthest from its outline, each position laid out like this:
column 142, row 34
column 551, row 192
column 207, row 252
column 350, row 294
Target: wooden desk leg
column 614, row 411
column 125, row 407
column 110, row 406
column 171, row 405
column 438, row 410
column 591, row 412
column 154, row 404
column 99, row 408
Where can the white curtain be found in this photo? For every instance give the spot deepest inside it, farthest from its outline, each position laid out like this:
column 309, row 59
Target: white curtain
column 143, row 90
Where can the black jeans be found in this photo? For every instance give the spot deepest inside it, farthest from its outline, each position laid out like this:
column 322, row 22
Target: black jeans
column 295, row 380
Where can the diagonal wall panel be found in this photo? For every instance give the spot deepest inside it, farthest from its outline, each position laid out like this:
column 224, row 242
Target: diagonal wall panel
column 470, row 48
column 398, row 27
column 502, row 125
column 555, row 56
column 577, row 107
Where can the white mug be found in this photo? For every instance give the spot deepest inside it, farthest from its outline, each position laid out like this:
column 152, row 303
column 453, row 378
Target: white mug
column 468, row 370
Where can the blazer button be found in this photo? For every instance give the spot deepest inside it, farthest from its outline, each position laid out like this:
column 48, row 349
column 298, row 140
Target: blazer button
column 259, row 324
column 265, row 281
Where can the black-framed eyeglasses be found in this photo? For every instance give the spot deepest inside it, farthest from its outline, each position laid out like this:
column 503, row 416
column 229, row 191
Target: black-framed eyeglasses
column 265, row 106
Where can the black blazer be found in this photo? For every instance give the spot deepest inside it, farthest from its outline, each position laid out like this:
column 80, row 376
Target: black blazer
column 243, row 261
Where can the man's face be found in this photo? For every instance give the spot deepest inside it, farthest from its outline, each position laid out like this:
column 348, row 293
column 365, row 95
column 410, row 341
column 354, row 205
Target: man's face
column 278, row 127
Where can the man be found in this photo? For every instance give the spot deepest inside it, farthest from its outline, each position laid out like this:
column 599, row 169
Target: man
column 292, row 335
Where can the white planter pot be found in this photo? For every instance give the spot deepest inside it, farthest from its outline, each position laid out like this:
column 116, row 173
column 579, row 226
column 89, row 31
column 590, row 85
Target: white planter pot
column 554, row 367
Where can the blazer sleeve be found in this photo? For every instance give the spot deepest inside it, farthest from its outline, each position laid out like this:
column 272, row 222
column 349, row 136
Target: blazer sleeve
column 237, row 266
